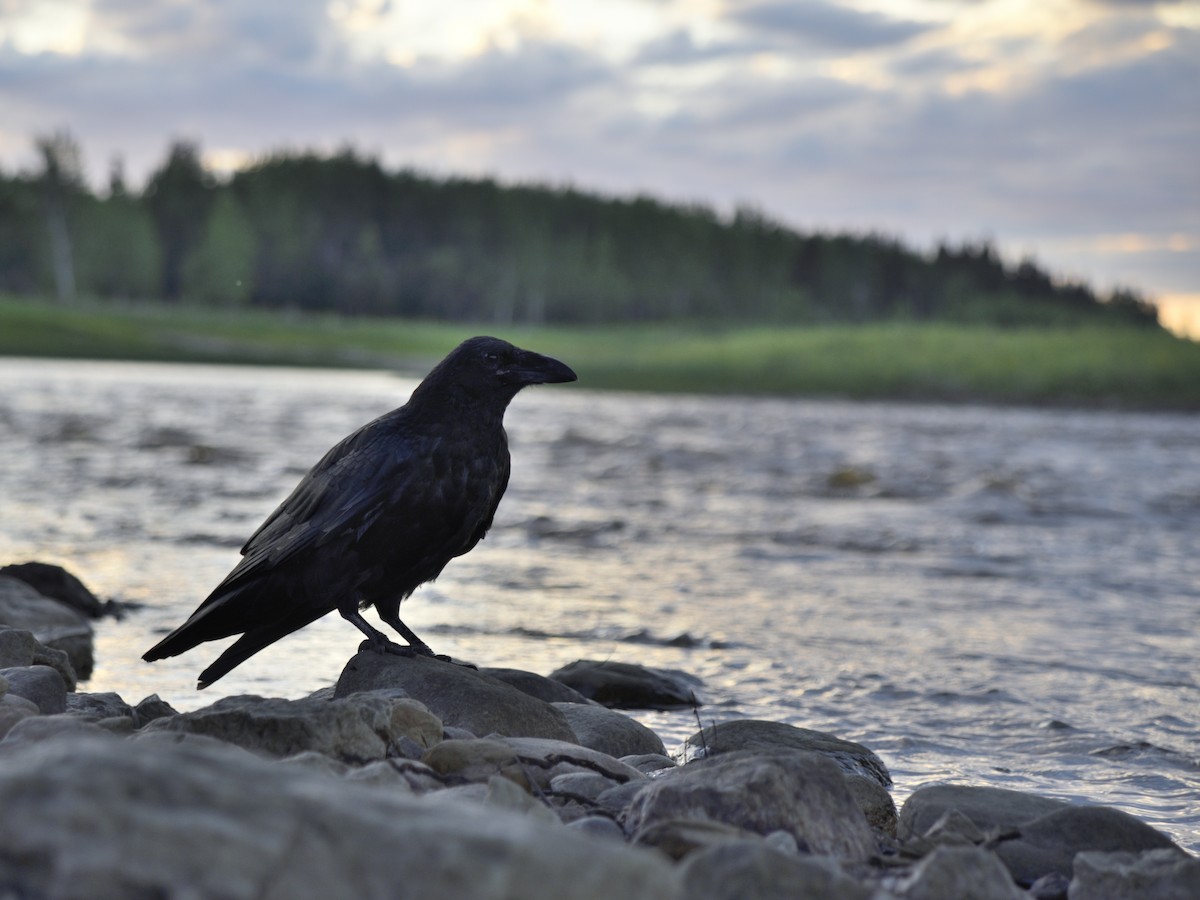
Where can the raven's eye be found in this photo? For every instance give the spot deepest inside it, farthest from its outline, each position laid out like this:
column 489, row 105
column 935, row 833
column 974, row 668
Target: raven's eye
column 490, row 357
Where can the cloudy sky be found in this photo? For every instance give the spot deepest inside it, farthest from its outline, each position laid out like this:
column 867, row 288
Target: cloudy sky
column 1064, row 129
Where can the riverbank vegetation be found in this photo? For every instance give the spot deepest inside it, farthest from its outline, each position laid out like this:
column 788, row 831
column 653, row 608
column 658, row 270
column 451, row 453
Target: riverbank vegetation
column 341, row 233
column 1095, row 365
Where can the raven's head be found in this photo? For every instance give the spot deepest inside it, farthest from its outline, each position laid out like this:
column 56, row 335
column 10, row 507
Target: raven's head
column 489, row 367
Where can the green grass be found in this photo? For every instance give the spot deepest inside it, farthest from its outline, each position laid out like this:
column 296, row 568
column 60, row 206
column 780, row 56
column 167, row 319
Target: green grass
column 1087, row 366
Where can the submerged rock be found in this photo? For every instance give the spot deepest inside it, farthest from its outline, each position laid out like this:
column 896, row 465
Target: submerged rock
column 803, row 794
column 109, row 818
column 461, row 697
column 357, row 728
column 630, row 686
column 537, row 685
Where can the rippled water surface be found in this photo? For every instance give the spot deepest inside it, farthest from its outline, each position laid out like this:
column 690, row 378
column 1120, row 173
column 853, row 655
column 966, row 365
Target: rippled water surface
column 1003, row 597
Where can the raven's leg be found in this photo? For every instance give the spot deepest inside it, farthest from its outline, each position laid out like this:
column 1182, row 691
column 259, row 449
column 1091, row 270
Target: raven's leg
column 376, row 639
column 392, row 618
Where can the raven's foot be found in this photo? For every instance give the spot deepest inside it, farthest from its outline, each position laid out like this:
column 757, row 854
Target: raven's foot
column 383, row 645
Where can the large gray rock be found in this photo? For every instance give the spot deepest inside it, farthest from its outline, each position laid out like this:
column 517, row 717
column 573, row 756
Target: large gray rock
column 630, row 686
column 14, row 709
column 1048, row 845
column 1152, row 875
column 804, row 794
column 357, row 728
column 86, row 819
column 608, row 731
column 989, row 808
column 53, row 624
column 866, row 775
column 762, row 736
column 461, row 697
column 59, row 585
column 752, row 870
column 537, row 685
column 42, row 685
column 960, row 872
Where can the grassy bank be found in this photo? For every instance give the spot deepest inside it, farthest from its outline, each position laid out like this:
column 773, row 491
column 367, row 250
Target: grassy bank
column 1094, row 366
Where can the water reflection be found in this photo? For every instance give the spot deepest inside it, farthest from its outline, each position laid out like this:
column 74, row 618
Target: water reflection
column 937, row 582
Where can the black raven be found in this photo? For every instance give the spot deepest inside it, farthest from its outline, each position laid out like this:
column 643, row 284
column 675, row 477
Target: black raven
column 379, row 515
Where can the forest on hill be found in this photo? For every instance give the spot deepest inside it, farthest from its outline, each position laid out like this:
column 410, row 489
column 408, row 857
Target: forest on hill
column 341, row 233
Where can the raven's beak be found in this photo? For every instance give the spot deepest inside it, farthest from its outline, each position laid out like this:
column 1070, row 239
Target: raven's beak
column 533, row 368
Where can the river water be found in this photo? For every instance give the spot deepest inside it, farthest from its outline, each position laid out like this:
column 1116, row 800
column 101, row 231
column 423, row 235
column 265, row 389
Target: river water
column 990, row 596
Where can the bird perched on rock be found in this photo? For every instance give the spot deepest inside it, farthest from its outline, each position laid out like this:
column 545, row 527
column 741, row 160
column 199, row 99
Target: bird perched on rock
column 379, row 515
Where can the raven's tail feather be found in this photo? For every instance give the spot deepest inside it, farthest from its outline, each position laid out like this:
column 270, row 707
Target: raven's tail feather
column 237, row 653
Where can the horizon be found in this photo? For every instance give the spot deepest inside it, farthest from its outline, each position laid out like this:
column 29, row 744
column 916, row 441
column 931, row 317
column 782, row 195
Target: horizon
column 1064, row 132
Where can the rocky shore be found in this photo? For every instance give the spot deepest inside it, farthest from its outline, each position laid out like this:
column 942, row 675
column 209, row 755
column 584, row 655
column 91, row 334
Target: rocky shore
column 425, row 778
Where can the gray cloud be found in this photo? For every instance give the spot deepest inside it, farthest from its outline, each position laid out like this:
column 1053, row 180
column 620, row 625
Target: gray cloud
column 826, row 25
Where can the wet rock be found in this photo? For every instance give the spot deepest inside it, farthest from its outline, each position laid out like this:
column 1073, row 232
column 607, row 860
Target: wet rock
column 14, row 709
column 1048, row 845
column 991, row 809
column 42, row 685
column 630, row 686
column 867, row 776
column 459, row 696
column 804, row 794
column 535, row 685
column 609, row 732
column 762, row 736
column 752, row 870
column 87, row 819
column 58, row 584
column 960, row 872
column 356, row 728
column 54, row 625
column 18, row 647
column 1151, row 875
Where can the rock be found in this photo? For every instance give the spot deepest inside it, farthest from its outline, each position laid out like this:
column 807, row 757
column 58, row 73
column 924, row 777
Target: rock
column 356, row 728
column 40, row 729
column 19, row 647
column 103, row 705
column 608, row 731
column 1151, row 875
column 679, row 837
column 991, row 809
column 758, row 735
column 42, row 685
column 535, row 685
column 649, row 763
column 54, row 625
column 582, row 786
column 960, row 872
column 85, row 819
column 58, row 584
column 558, row 757
column 151, row 708
column 598, row 826
column 479, row 759
column 616, row 800
column 459, row 696
column 629, row 686
column 13, row 710
column 804, row 794
column 1049, row 844
column 752, row 870
column 866, row 775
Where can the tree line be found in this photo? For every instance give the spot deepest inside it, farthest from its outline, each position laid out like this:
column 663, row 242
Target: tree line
column 342, row 233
